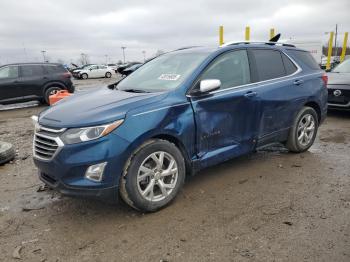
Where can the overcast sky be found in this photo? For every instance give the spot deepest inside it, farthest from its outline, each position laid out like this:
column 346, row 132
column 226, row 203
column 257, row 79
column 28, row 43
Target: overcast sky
column 67, row 28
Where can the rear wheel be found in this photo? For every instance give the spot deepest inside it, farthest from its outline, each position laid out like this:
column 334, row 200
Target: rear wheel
column 84, row 76
column 49, row 92
column 108, row 75
column 303, row 133
column 153, row 176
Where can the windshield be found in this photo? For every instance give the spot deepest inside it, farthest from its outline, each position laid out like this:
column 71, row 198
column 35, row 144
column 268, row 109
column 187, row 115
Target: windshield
column 163, row 73
column 343, row 67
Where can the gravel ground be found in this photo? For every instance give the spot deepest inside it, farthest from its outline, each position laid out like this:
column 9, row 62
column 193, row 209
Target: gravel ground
column 267, row 206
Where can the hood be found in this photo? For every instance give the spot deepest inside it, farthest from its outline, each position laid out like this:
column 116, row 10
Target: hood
column 95, row 108
column 338, row 78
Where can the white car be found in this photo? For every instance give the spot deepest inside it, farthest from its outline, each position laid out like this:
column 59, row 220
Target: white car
column 96, row 71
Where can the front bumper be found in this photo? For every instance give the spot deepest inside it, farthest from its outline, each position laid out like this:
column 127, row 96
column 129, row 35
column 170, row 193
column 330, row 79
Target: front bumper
column 339, row 97
column 65, row 172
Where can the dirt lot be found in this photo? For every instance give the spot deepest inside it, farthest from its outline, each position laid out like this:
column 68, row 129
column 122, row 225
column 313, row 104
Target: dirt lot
column 268, row 206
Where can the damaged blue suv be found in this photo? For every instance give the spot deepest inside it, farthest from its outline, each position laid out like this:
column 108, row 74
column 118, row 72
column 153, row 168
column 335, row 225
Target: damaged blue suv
column 181, row 112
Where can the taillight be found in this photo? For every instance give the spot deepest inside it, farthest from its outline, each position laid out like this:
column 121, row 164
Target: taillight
column 67, row 75
column 325, row 79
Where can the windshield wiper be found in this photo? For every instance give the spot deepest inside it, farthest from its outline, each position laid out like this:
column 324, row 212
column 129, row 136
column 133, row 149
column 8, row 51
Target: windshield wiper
column 135, row 90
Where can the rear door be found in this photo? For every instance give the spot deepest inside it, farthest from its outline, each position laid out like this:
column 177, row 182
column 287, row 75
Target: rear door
column 9, row 83
column 33, row 79
column 226, row 119
column 279, row 92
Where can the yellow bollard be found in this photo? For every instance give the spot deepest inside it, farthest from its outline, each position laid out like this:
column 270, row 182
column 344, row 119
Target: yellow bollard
column 247, row 33
column 221, row 35
column 272, row 32
column 343, row 51
column 330, row 49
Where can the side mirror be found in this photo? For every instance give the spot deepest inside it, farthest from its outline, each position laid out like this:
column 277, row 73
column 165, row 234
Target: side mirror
column 208, row 85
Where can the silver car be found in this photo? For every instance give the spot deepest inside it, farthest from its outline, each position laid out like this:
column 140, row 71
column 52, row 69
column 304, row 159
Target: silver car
column 339, row 86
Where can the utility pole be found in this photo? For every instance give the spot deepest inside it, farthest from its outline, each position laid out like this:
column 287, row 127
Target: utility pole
column 43, row 52
column 335, row 39
column 144, row 55
column 123, row 48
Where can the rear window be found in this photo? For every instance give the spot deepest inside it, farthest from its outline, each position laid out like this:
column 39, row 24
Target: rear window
column 269, row 64
column 52, row 69
column 31, row 70
column 304, row 57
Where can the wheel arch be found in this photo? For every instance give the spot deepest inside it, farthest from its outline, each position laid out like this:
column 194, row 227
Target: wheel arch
column 177, row 142
column 51, row 84
column 316, row 107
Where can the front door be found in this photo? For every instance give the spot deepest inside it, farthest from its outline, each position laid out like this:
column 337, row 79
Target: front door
column 226, row 119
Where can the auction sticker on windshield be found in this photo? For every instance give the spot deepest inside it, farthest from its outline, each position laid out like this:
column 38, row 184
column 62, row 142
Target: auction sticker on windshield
column 169, row 77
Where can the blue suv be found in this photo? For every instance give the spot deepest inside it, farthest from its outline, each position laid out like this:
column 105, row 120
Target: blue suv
column 179, row 113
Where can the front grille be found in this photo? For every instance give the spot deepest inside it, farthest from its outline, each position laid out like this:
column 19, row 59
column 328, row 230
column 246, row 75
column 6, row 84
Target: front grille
column 46, row 142
column 344, row 98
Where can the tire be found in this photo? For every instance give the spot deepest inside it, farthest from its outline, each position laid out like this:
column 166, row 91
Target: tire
column 142, row 175
column 51, row 91
column 84, row 76
column 108, row 75
column 303, row 132
column 7, row 152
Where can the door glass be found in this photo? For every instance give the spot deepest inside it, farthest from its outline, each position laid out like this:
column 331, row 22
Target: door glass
column 269, row 64
column 9, row 72
column 231, row 68
column 32, row 70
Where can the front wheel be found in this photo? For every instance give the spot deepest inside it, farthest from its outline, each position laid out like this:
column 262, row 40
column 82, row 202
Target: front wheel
column 108, row 75
column 303, row 133
column 153, row 176
column 84, row 76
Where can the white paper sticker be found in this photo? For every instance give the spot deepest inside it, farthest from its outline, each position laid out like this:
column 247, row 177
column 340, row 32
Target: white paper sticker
column 169, row 77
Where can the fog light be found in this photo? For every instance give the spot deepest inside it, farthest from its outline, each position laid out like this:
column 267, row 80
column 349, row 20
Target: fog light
column 95, row 172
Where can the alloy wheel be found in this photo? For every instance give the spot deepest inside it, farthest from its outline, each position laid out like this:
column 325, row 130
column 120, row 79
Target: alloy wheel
column 306, row 129
column 157, row 176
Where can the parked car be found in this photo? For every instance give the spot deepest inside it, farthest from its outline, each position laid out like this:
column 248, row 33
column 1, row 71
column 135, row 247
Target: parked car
column 113, row 66
column 177, row 114
column 32, row 81
column 95, row 71
column 75, row 72
column 127, row 71
column 339, row 86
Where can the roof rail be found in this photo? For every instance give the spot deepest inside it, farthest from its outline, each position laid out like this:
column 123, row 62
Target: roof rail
column 248, row 43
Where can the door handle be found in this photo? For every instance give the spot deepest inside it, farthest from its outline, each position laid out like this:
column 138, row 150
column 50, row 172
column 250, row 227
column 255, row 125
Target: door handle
column 298, row 82
column 250, row 94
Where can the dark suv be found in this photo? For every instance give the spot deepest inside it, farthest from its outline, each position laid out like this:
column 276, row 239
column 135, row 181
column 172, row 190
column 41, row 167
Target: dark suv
column 32, row 81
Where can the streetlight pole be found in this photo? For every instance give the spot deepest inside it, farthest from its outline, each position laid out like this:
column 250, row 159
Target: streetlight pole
column 123, row 48
column 43, row 52
column 335, row 39
column 144, row 55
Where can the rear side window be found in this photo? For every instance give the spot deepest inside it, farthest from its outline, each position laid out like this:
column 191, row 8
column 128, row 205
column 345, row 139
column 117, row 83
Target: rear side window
column 31, row 70
column 232, row 69
column 269, row 64
column 52, row 69
column 304, row 57
column 288, row 65
column 8, row 72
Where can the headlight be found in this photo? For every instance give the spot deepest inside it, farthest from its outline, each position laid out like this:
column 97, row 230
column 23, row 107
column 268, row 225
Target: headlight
column 77, row 135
